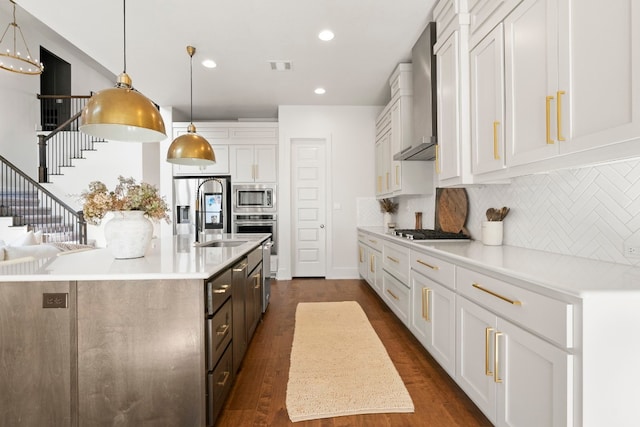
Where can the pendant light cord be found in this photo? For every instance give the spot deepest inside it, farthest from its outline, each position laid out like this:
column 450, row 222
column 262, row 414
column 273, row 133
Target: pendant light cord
column 191, row 84
column 124, row 38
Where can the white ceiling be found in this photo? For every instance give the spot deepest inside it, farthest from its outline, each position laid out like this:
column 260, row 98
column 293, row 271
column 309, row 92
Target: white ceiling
column 372, row 36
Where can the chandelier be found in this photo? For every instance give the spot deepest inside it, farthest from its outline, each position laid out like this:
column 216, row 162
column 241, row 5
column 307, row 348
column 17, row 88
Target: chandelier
column 11, row 58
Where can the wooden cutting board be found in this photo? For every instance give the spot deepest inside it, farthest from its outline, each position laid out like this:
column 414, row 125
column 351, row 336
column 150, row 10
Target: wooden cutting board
column 452, row 206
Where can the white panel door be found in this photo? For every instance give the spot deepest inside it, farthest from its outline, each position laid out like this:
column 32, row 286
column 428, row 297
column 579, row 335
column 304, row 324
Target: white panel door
column 308, row 187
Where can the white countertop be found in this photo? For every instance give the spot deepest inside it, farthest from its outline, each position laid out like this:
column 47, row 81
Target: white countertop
column 169, row 258
column 564, row 274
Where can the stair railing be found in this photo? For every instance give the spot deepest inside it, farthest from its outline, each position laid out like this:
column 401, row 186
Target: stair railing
column 63, row 142
column 33, row 205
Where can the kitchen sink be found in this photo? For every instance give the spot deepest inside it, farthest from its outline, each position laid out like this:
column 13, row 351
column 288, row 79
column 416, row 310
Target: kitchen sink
column 223, row 243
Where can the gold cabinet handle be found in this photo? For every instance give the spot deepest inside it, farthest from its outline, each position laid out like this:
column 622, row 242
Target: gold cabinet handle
column 438, row 159
column 496, row 153
column 392, row 294
column 239, row 269
column 433, row 267
column 372, row 260
column 487, row 365
column 425, row 304
column 225, row 377
column 360, row 255
column 559, row 114
column 490, row 292
column 393, row 259
column 496, row 358
column 375, row 242
column 397, row 174
column 549, row 140
column 222, row 330
column 257, row 285
column 222, row 289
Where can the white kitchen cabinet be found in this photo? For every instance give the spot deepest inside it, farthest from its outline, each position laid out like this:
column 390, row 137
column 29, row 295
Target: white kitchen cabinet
column 432, row 319
column 374, row 275
column 363, row 252
column 487, row 103
column 370, row 261
column 397, row 296
column 253, row 163
column 383, row 165
column 221, row 166
column 515, row 378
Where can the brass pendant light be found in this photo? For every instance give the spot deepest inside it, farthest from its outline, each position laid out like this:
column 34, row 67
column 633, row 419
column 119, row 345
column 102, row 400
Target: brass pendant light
column 191, row 148
column 10, row 57
column 122, row 113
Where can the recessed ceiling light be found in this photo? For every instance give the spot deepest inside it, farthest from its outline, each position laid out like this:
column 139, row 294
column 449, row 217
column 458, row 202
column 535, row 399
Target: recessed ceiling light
column 320, row 91
column 209, row 63
column 326, row 35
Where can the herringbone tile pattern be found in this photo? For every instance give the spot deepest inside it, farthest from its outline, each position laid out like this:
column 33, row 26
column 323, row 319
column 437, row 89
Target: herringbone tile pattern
column 588, row 212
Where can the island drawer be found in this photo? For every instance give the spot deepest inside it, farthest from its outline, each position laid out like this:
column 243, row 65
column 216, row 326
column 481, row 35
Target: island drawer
column 544, row 315
column 218, row 291
column 218, row 385
column 253, row 259
column 218, row 334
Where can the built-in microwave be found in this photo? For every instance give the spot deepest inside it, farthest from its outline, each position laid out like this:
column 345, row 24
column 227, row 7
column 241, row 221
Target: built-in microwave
column 254, row 198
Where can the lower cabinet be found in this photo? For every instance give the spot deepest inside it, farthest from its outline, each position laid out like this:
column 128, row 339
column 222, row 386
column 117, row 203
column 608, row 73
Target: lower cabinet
column 515, row 378
column 374, row 272
column 433, row 319
column 397, row 296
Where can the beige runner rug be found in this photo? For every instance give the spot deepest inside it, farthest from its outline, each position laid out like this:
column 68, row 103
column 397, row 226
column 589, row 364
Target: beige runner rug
column 339, row 366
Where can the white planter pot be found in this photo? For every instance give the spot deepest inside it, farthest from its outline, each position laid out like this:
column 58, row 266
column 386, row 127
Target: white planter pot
column 128, row 234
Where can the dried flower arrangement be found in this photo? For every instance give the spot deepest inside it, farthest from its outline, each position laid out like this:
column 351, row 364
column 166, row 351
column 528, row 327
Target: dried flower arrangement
column 127, row 196
column 388, row 206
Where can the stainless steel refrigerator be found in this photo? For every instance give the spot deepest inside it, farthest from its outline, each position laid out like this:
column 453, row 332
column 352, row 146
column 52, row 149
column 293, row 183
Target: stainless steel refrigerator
column 203, row 202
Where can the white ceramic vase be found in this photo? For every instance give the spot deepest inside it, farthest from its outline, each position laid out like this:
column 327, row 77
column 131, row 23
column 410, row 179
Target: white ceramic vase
column 387, row 219
column 128, row 234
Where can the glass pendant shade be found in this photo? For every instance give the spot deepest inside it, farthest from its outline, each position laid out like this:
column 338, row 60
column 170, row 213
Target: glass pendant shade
column 122, row 114
column 191, row 149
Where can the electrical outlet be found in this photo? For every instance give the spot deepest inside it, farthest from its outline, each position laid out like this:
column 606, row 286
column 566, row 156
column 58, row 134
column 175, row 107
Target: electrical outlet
column 631, row 250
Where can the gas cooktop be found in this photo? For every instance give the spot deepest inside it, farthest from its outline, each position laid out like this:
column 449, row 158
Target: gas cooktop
column 428, row 235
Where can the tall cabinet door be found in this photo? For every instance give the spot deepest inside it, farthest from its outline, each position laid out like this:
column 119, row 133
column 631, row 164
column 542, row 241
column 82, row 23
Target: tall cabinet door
column 531, row 74
column 600, row 73
column 447, row 158
column 265, row 163
column 474, row 358
column 487, row 103
column 242, row 163
column 535, row 377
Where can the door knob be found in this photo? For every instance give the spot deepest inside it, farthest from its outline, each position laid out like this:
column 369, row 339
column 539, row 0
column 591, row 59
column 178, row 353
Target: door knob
column 321, row 225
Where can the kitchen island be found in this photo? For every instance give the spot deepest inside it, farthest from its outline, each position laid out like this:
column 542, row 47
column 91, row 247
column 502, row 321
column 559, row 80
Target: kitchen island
column 88, row 340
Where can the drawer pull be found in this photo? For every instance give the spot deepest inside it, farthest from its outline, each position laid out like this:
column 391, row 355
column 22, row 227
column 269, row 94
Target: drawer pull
column 257, row 285
column 425, row 304
column 392, row 294
column 375, row 242
column 433, row 267
column 225, row 377
column 240, row 268
column 222, row 289
column 372, row 260
column 360, row 255
column 496, row 359
column 510, row 301
column 223, row 329
column 487, row 368
column 393, row 259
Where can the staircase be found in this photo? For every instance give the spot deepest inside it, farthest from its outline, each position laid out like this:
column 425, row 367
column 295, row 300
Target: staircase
column 25, row 203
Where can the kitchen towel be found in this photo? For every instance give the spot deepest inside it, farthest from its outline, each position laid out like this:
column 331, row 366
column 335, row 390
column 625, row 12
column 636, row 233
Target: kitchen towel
column 339, row 366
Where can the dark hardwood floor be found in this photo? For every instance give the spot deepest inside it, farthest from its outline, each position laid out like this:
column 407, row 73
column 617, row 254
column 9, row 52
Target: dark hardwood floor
column 258, row 395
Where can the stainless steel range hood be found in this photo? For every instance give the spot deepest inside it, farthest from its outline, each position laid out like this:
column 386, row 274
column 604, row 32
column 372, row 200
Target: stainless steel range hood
column 424, row 99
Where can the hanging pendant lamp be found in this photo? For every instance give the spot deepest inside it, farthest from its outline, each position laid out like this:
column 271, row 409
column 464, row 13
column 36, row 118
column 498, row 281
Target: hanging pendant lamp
column 122, row 113
column 191, row 148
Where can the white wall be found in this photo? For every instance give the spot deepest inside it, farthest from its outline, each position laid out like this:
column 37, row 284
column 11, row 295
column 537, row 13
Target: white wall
column 19, row 107
column 351, row 133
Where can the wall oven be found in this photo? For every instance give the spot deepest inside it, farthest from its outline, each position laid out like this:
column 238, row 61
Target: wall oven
column 258, row 223
column 254, row 198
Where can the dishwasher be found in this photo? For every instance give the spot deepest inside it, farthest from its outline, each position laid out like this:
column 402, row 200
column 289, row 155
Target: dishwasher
column 266, row 276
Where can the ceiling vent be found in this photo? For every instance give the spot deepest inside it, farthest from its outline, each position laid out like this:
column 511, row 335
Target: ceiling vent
column 281, row 65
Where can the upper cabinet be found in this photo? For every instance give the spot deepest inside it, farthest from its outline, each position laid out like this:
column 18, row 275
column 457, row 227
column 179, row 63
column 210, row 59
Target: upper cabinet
column 393, row 135
column 246, row 151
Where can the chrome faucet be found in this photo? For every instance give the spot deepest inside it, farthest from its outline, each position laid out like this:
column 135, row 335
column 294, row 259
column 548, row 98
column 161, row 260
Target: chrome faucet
column 199, row 213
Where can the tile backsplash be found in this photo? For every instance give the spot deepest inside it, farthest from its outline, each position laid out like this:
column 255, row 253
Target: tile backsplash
column 588, row 212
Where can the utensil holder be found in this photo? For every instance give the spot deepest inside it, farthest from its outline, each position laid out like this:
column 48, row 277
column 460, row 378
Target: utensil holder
column 492, row 233
column 418, row 221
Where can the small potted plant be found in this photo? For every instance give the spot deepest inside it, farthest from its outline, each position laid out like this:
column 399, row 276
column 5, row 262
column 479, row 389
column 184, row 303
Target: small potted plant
column 388, row 207
column 129, row 232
